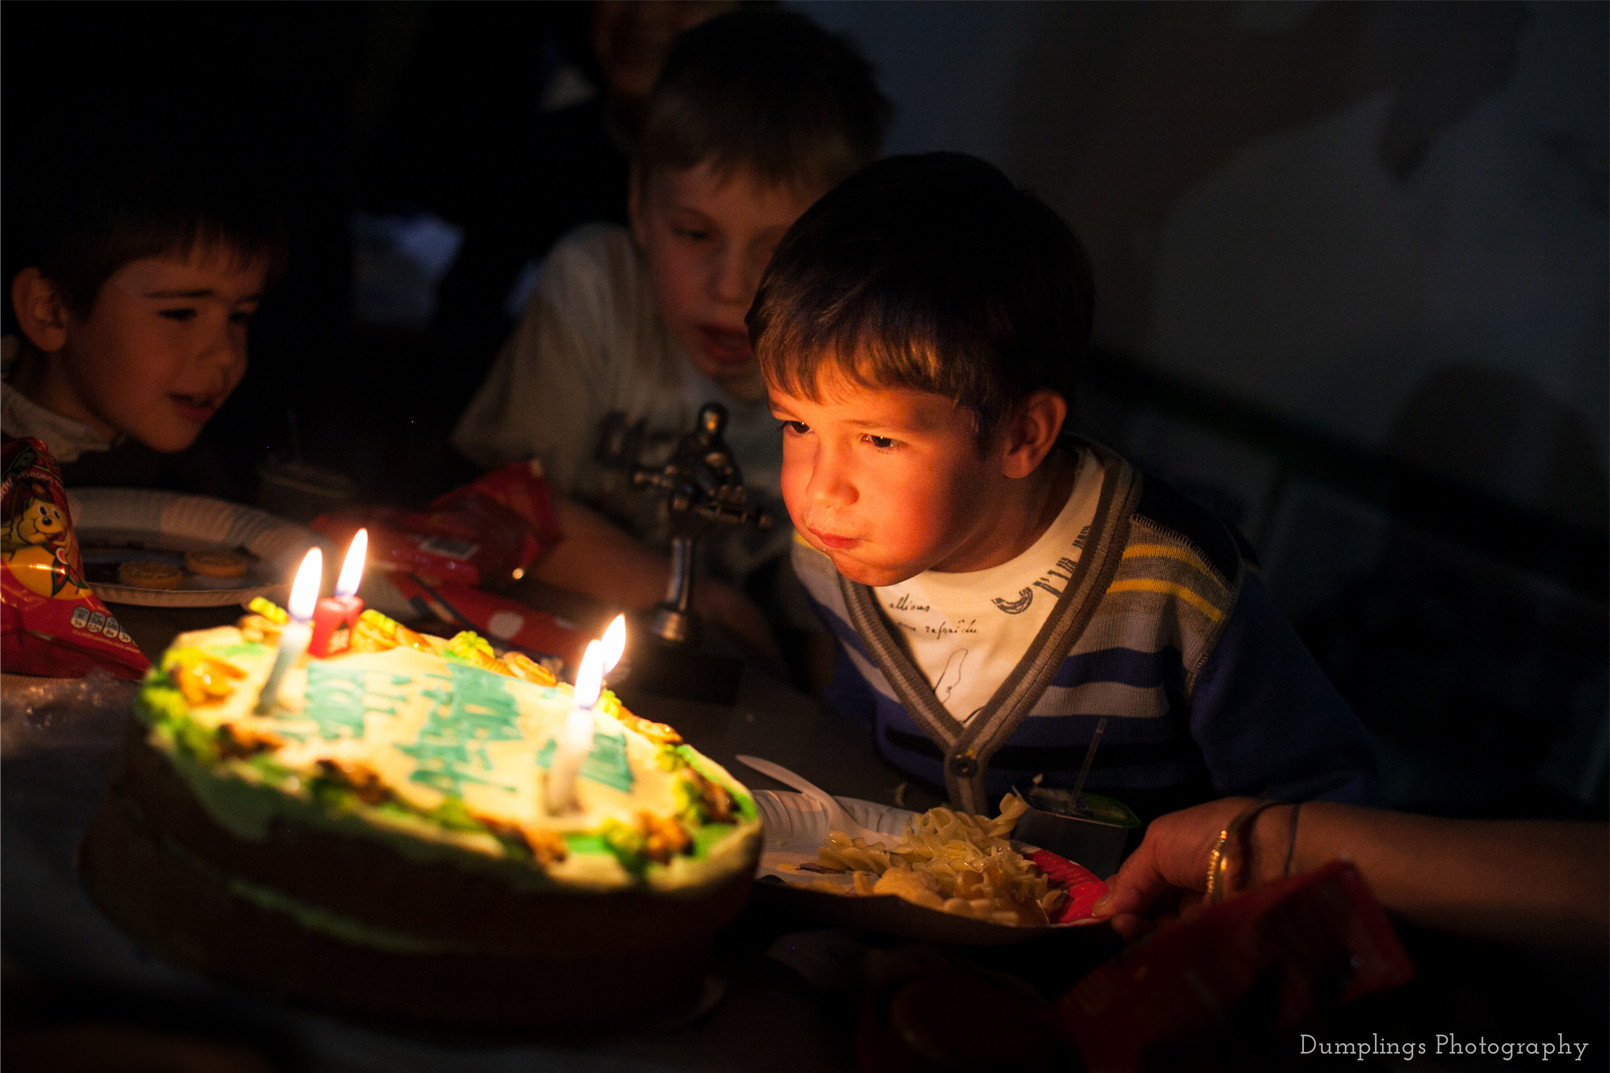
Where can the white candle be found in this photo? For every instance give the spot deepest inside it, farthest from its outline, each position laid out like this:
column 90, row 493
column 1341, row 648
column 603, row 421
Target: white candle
column 575, row 740
column 295, row 634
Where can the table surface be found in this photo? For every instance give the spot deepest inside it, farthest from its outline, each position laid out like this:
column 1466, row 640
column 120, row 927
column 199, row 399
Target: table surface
column 784, row 991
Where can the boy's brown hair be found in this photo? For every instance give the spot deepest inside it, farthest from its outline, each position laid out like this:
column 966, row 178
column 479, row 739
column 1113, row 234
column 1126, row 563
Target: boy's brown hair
column 932, row 272
column 768, row 91
column 104, row 183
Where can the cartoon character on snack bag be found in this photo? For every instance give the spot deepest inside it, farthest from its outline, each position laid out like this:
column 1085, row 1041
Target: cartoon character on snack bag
column 34, row 545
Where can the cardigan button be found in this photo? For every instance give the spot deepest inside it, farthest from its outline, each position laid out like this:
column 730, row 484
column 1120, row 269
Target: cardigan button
column 964, row 766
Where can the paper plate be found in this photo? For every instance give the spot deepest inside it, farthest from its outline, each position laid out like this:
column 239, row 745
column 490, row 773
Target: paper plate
column 794, row 826
column 114, row 525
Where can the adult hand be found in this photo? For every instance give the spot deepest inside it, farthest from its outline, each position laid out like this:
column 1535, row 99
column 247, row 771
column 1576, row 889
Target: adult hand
column 1167, row 873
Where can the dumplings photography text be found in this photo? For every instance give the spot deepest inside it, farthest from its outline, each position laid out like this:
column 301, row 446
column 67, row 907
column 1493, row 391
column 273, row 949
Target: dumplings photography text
column 1448, row 1043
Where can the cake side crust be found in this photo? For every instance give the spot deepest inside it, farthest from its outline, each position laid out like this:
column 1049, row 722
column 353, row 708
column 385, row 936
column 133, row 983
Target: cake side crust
column 191, row 915
column 453, row 899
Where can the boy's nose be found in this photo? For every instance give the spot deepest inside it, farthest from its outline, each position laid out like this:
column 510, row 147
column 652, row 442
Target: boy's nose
column 829, row 483
column 226, row 349
column 732, row 277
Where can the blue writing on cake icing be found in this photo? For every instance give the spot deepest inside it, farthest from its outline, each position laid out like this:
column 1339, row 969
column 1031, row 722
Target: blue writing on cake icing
column 606, row 762
column 339, row 699
column 469, row 708
column 475, row 704
column 448, row 766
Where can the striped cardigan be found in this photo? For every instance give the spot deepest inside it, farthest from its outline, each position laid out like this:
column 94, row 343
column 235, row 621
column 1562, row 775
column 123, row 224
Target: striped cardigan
column 1164, row 626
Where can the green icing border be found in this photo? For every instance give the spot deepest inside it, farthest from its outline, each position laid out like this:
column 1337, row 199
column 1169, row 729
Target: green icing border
column 244, row 796
column 343, row 928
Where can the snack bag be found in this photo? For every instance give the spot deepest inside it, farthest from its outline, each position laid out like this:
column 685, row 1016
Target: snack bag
column 481, row 535
column 1231, row 986
column 553, row 641
column 52, row 624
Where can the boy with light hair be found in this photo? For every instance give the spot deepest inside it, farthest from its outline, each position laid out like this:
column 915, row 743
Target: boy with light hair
column 755, row 115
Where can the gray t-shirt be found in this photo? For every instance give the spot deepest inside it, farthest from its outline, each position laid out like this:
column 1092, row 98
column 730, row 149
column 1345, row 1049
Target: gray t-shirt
column 591, row 353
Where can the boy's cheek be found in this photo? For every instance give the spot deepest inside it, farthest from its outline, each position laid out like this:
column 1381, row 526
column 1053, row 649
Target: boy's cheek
column 237, row 373
column 793, row 501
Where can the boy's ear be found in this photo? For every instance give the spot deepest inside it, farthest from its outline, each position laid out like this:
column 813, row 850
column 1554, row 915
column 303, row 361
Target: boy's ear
column 41, row 312
column 1033, row 431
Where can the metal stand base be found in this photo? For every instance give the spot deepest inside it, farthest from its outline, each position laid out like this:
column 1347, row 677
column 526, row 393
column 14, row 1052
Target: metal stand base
column 673, row 625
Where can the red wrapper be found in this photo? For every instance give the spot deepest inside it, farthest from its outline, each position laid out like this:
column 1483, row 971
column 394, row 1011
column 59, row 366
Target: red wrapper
column 1231, row 986
column 481, row 535
column 505, row 621
column 52, row 624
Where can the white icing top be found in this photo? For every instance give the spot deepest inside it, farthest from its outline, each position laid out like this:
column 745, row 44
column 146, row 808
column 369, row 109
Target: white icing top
column 434, row 732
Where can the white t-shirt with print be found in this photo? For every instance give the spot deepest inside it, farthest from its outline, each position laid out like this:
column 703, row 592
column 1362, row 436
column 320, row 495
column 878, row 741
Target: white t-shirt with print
column 966, row 631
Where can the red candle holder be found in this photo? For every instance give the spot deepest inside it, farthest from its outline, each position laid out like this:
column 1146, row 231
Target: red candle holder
column 334, row 619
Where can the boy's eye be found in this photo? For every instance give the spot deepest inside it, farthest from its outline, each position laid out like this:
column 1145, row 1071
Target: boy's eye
column 179, row 314
column 882, row 443
column 690, row 234
column 798, row 428
column 242, row 316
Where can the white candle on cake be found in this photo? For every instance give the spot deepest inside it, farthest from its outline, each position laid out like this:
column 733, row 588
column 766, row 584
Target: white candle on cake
column 295, row 634
column 575, row 739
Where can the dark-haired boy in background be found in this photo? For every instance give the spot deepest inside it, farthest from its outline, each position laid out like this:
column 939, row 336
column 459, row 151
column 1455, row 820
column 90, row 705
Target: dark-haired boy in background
column 136, row 261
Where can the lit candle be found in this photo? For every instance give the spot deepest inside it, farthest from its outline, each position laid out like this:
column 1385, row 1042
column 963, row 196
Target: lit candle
column 296, row 633
column 335, row 616
column 614, row 643
column 575, row 740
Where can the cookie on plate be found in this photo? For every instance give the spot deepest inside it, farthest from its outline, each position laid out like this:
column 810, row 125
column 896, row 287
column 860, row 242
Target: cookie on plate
column 149, row 574
column 216, row 562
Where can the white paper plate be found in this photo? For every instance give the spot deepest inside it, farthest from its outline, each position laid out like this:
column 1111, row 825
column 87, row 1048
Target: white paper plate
column 113, row 525
column 795, row 825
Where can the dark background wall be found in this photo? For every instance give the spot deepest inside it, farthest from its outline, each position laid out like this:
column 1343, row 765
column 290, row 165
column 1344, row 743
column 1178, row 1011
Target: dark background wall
column 1352, row 265
column 1384, row 221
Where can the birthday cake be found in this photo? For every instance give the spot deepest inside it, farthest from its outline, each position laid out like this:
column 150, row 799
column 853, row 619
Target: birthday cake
column 375, row 832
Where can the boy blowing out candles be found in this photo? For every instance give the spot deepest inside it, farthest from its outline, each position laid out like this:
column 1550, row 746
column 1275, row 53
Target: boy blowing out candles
column 998, row 585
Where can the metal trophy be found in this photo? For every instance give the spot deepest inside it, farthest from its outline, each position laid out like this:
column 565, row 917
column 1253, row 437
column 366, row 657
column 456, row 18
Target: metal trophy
column 704, row 488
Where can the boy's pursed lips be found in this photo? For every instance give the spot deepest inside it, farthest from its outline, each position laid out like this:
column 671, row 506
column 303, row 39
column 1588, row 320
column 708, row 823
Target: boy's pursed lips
column 834, row 541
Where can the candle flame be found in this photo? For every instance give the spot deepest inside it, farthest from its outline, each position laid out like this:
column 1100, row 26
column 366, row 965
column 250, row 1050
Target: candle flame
column 614, row 643
column 352, row 566
column 305, row 589
column 590, row 679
